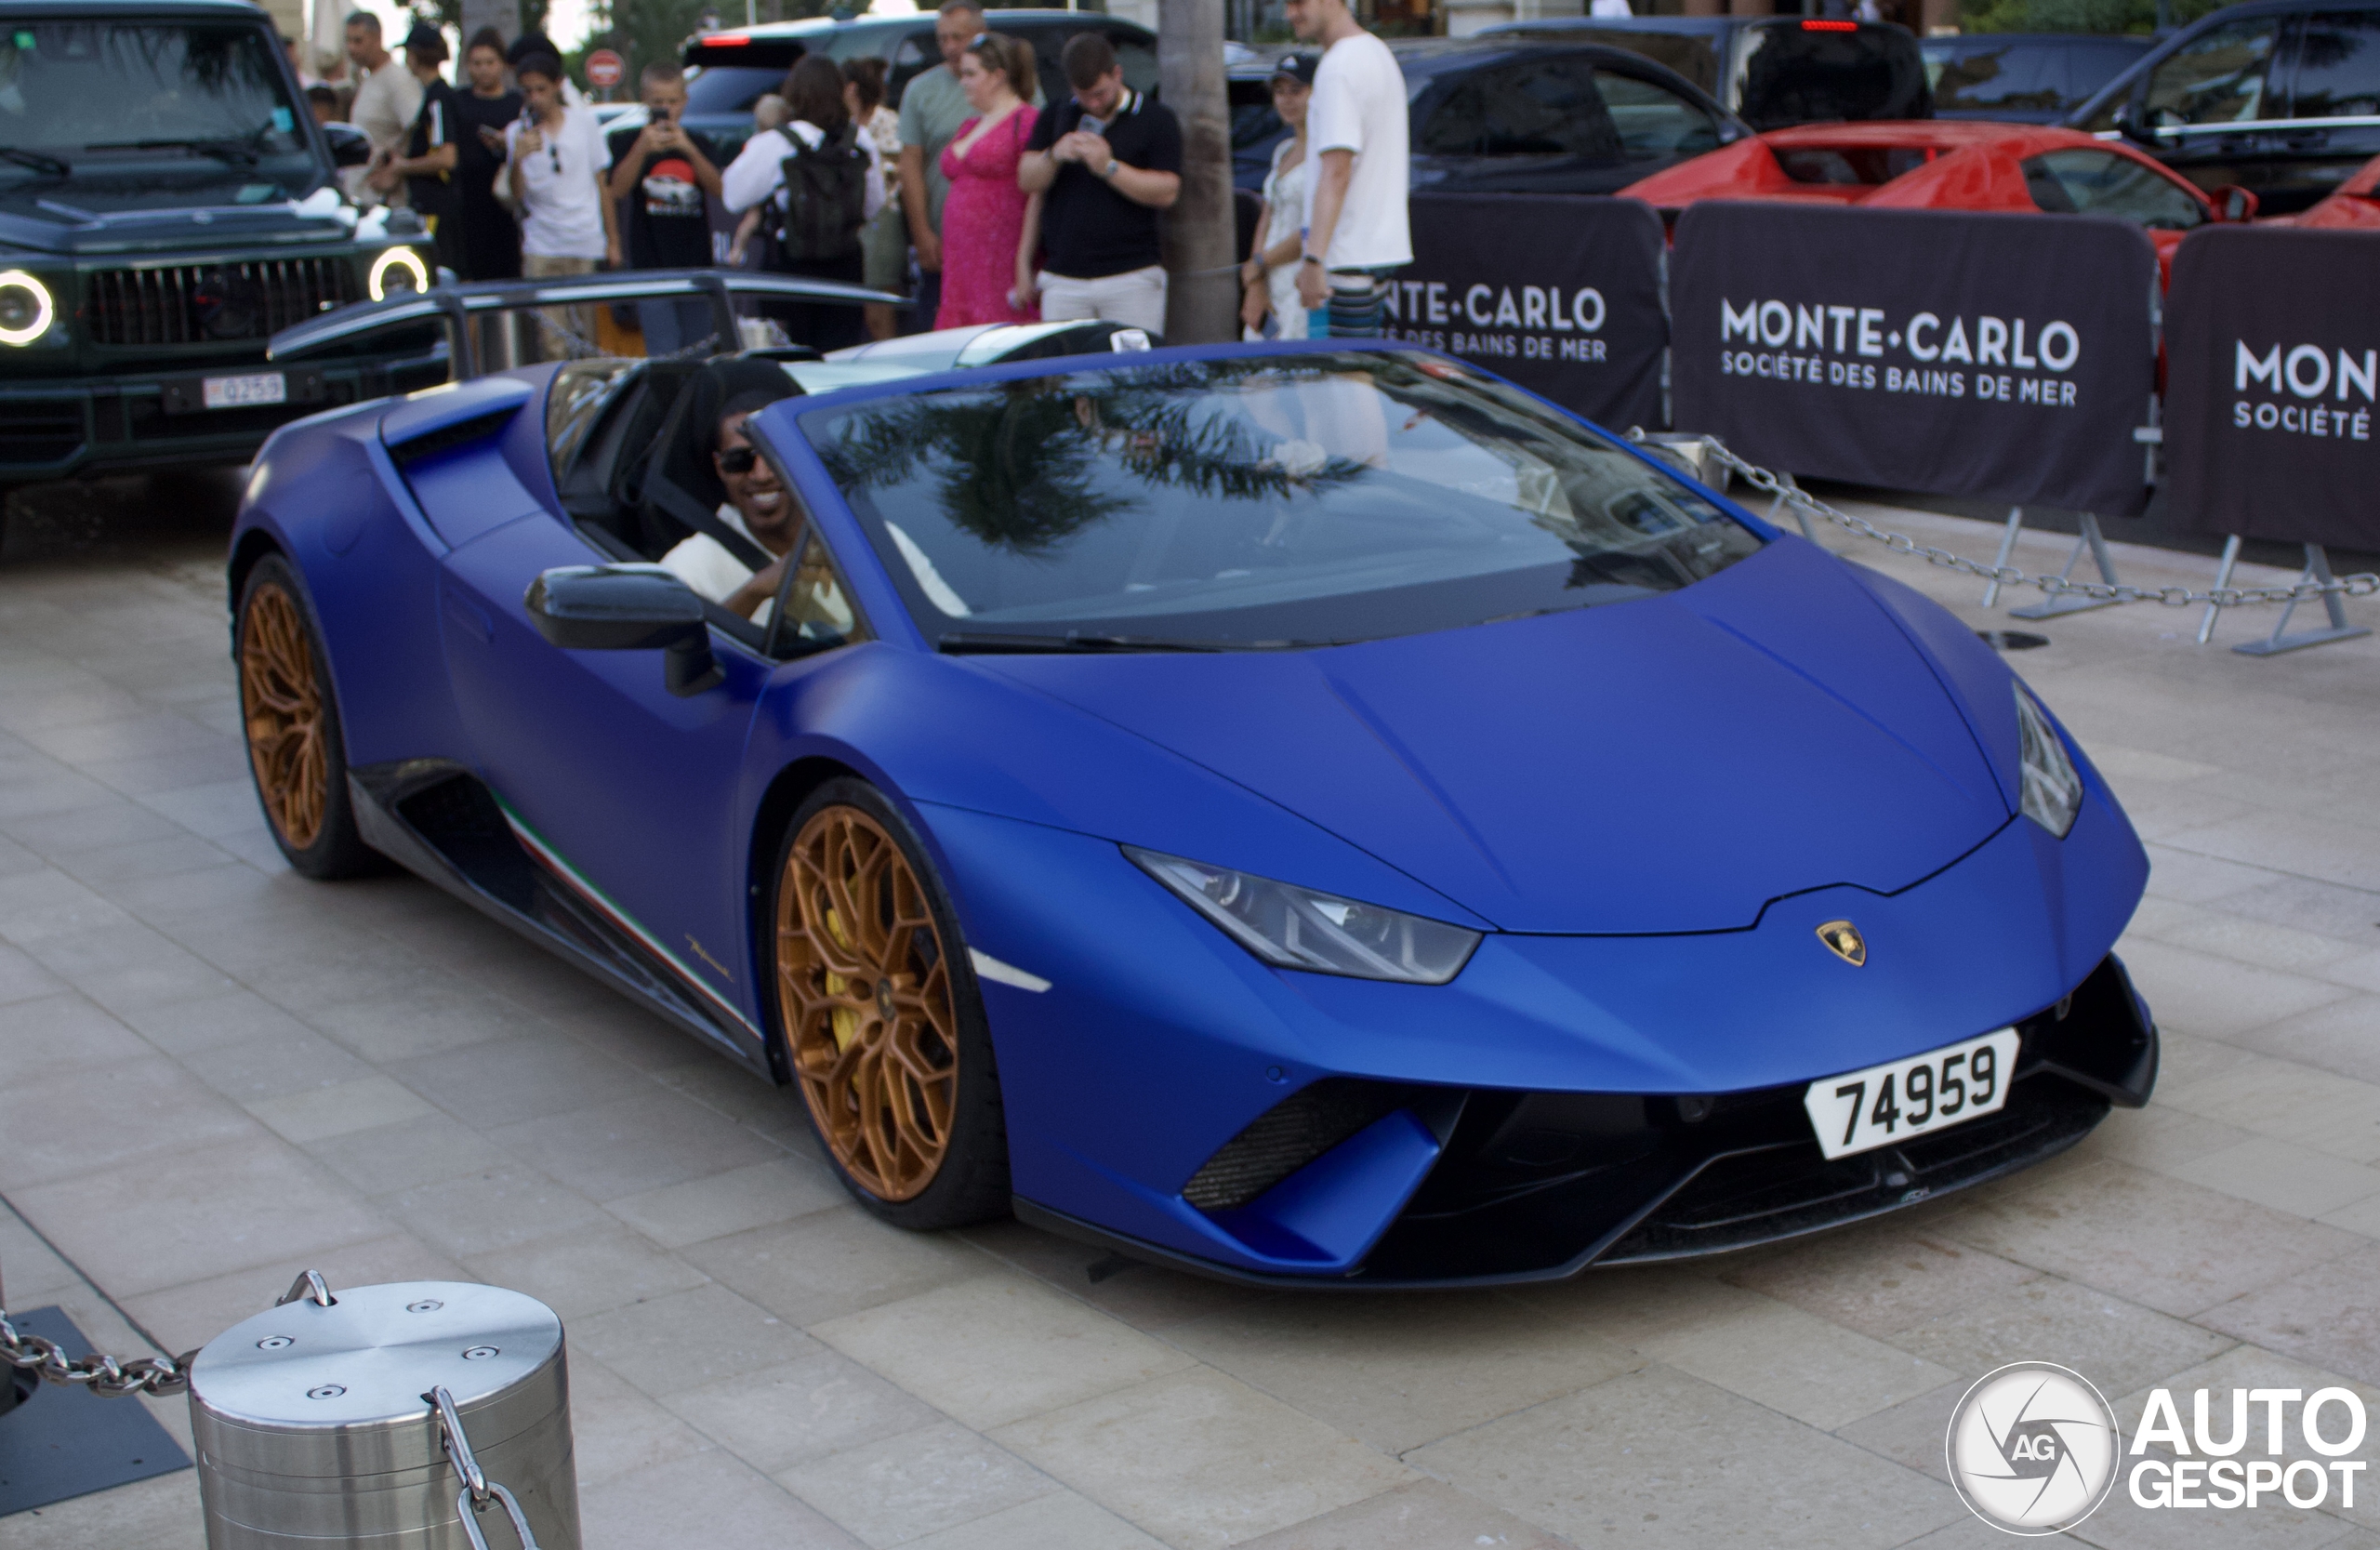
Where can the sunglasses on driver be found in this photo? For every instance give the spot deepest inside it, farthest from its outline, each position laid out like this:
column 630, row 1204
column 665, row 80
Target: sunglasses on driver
column 738, row 459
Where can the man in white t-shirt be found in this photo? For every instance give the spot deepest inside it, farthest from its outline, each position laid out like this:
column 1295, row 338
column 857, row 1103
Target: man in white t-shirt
column 1355, row 230
column 556, row 157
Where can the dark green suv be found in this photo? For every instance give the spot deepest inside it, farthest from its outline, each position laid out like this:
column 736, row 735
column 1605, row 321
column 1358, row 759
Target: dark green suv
column 166, row 205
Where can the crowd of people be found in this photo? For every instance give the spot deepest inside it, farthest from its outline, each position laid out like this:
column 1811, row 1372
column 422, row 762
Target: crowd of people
column 980, row 199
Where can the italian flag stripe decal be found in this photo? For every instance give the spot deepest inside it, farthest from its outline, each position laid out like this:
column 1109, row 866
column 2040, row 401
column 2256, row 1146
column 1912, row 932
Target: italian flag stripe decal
column 603, row 902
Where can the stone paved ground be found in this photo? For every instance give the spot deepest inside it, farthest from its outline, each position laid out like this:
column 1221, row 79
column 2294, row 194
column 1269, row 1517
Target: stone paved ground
column 217, row 1074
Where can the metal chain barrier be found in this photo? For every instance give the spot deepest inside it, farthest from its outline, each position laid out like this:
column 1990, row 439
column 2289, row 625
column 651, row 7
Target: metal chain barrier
column 1786, row 493
column 478, row 1492
column 111, row 1379
column 105, row 1375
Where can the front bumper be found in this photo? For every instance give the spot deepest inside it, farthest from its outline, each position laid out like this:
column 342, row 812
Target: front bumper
column 60, row 428
column 1528, row 1186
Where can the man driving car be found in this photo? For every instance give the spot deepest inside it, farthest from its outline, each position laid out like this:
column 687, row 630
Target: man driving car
column 758, row 506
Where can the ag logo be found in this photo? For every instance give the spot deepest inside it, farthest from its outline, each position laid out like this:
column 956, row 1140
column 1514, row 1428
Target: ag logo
column 2033, row 1447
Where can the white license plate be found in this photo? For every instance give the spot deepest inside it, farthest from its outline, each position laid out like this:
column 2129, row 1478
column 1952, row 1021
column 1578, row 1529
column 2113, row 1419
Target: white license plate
column 237, row 392
column 1860, row 1110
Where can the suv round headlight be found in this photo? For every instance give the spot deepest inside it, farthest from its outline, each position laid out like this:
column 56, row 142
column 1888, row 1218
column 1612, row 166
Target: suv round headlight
column 26, row 308
column 397, row 272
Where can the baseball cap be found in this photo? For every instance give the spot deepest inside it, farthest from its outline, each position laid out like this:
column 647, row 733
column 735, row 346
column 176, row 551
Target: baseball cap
column 1297, row 67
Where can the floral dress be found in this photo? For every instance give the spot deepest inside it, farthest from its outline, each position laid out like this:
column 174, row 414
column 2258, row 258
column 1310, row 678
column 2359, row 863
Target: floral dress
column 982, row 222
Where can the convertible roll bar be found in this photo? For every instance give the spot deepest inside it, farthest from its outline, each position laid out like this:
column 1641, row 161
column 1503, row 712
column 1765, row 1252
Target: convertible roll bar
column 456, row 305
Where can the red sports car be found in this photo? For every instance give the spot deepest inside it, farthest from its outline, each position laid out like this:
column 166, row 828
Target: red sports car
column 1942, row 164
column 2354, row 203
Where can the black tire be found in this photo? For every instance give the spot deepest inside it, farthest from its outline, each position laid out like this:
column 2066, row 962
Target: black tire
column 876, row 1120
column 296, row 742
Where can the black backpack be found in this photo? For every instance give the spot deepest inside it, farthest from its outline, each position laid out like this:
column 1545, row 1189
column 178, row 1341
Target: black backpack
column 825, row 198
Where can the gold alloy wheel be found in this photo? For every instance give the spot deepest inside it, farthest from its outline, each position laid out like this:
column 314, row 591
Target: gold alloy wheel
column 283, row 705
column 867, row 1002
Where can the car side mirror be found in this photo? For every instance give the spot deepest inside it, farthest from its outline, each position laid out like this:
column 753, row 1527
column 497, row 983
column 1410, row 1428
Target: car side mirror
column 627, row 608
column 2128, row 124
column 350, row 145
column 2240, row 204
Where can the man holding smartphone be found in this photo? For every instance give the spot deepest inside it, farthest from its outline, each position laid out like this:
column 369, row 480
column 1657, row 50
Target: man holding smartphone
column 662, row 176
column 556, row 161
column 1099, row 168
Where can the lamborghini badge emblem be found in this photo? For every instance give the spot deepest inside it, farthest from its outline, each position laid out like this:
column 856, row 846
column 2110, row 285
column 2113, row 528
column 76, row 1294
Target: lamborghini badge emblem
column 1843, row 939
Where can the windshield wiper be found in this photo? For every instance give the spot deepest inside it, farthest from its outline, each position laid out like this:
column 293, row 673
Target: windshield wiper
column 234, row 152
column 957, row 643
column 40, row 161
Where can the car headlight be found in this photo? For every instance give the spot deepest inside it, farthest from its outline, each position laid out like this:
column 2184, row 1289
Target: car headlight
column 2052, row 791
column 1297, row 928
column 396, row 272
column 26, row 308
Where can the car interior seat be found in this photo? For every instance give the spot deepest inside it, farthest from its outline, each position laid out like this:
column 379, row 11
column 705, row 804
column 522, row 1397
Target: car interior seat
column 598, row 487
column 676, row 491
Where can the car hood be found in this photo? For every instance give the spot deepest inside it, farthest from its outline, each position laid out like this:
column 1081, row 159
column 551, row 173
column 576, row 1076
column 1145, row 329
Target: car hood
column 1667, row 764
column 117, row 216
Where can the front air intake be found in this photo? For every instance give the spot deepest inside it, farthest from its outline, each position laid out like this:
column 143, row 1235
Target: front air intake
column 1287, row 1136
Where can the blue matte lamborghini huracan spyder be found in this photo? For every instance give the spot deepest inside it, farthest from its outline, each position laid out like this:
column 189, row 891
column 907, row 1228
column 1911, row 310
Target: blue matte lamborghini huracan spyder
column 1312, row 815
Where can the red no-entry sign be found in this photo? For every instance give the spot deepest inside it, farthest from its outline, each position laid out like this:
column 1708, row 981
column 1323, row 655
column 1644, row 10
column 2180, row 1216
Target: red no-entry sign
column 605, row 69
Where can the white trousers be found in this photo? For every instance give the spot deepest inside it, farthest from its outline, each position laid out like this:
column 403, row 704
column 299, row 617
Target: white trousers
column 1135, row 297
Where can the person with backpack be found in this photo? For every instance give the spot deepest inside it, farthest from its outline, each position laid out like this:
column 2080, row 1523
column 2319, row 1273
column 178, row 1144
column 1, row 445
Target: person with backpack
column 982, row 219
column 822, row 178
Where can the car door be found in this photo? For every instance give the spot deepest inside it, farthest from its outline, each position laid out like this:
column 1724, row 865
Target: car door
column 1657, row 126
column 2333, row 109
column 626, row 792
column 1536, row 126
column 2212, row 104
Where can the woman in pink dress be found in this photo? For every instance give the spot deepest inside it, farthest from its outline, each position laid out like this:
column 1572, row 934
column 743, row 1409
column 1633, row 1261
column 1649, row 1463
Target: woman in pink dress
column 984, row 219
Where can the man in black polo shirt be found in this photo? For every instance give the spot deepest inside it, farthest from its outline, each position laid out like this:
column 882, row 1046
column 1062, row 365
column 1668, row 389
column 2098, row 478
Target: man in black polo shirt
column 1100, row 167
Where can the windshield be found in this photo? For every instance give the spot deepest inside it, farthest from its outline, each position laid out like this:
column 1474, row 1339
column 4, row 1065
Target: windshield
column 1271, row 501
column 93, row 93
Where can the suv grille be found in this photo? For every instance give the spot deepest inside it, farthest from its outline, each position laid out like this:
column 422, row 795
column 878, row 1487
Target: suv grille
column 211, row 303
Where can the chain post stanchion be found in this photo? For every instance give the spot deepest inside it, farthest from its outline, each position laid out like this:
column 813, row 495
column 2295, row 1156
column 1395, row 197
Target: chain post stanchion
column 2222, row 580
column 2324, row 585
column 2008, row 548
column 2318, row 571
column 2086, row 536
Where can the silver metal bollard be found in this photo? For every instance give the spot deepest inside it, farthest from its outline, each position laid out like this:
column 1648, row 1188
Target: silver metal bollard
column 318, row 1423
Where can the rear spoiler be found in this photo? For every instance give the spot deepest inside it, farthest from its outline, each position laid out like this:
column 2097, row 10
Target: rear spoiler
column 456, row 305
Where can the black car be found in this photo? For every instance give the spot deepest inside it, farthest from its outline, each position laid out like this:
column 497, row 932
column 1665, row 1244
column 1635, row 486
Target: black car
column 168, row 203
column 1773, row 71
column 2024, row 77
column 2278, row 96
column 729, row 71
column 1507, row 115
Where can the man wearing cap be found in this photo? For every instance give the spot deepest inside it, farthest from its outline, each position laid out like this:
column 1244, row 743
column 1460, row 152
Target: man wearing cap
column 386, row 99
column 424, row 167
column 1355, row 230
